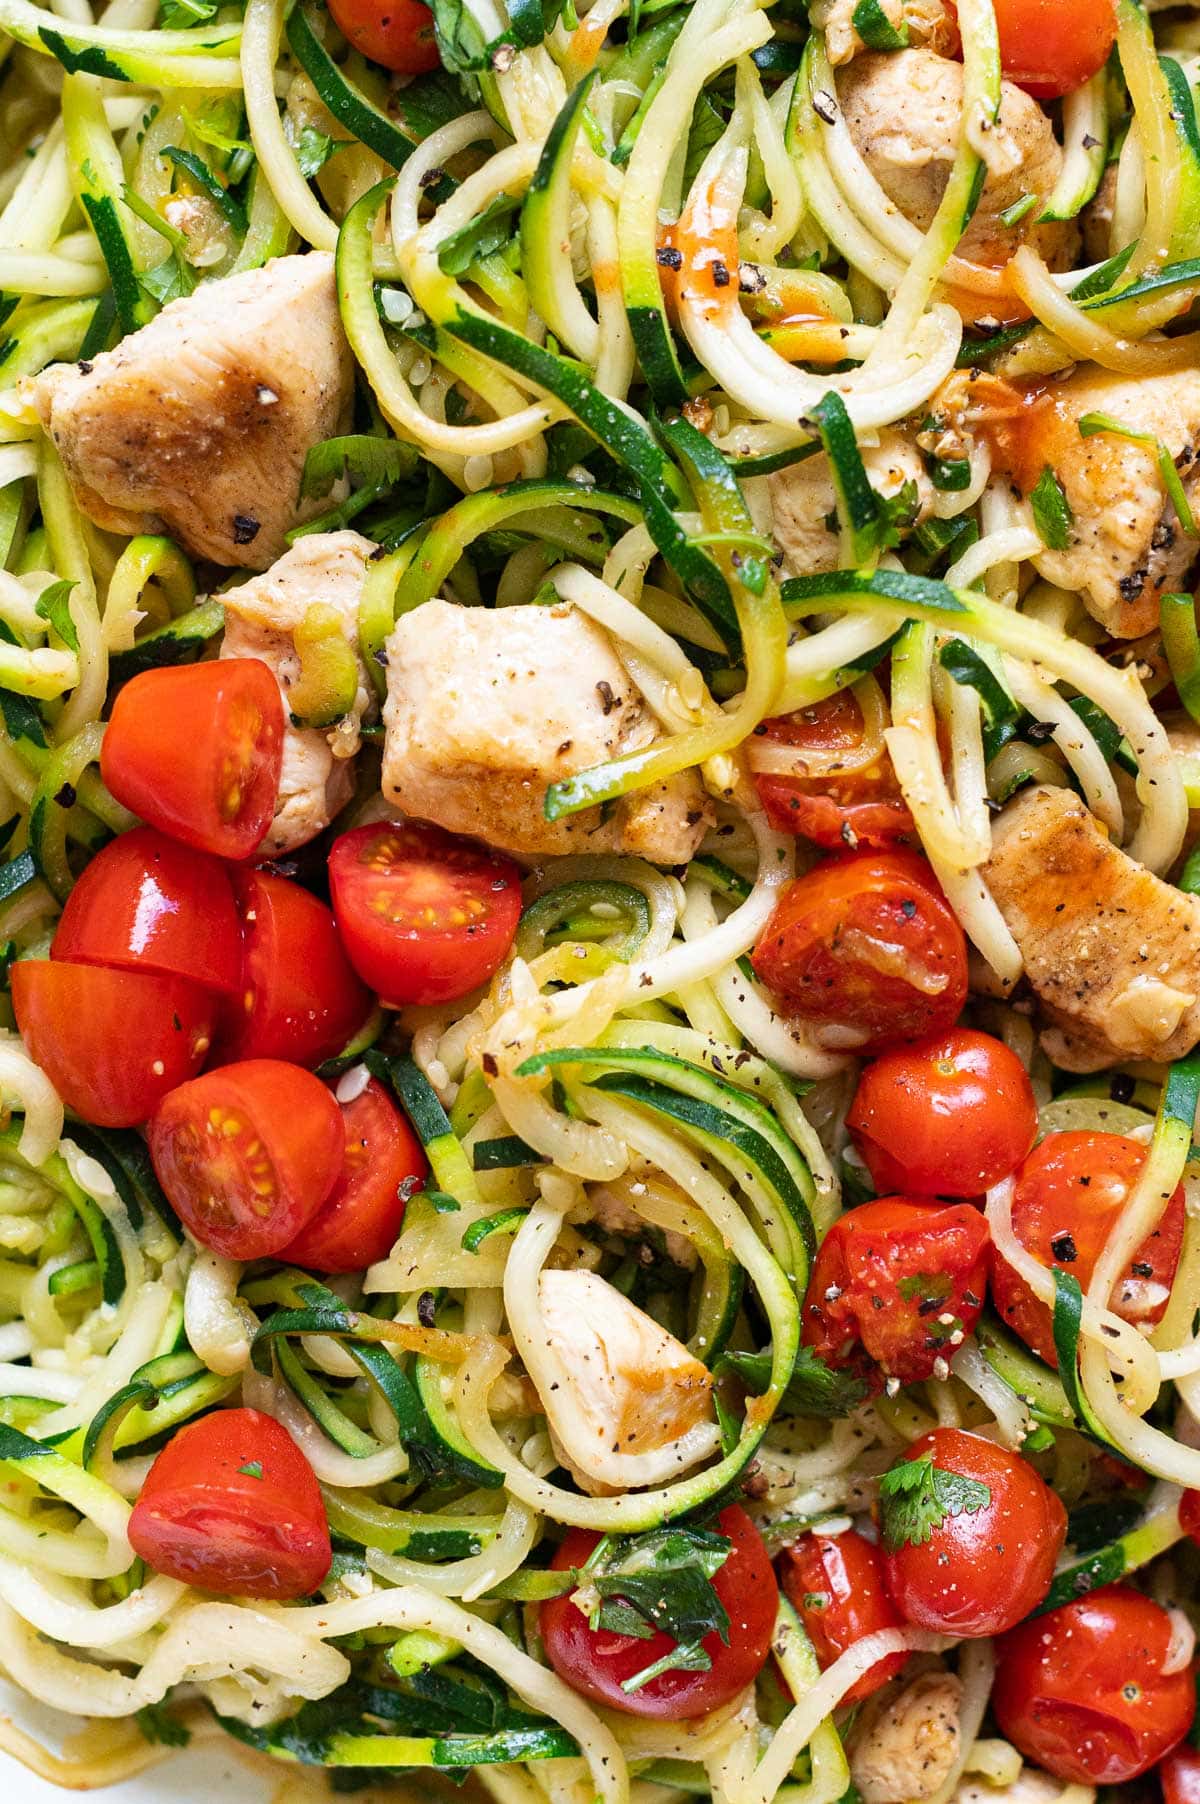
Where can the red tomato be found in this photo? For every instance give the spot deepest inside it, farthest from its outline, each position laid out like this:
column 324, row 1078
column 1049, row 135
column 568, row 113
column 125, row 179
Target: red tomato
column 867, row 942
column 596, row 1661
column 426, row 916
column 382, row 1167
column 1180, row 1775
column 897, row 1285
column 949, row 1117
column 146, row 903
column 979, row 1574
column 840, row 802
column 396, row 33
column 197, row 751
column 837, row 1585
column 1082, row 1690
column 248, row 1154
column 1189, row 1515
column 112, row 1043
column 1050, row 47
column 298, row 998
column 231, row 1505
column 1070, row 1190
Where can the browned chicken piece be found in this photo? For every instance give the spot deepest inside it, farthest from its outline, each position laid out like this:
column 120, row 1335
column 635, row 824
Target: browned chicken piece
column 906, row 1740
column 198, row 425
column 1112, row 952
column 926, row 22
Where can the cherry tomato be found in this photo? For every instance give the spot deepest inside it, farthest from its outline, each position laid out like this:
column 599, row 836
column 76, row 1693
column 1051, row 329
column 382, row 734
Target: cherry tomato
column 247, row 1154
column 841, row 801
column 297, row 998
column 112, row 1043
column 950, row 1116
column 1069, row 1192
column 231, row 1505
column 1179, row 1774
column 197, row 752
column 1050, row 47
column 979, row 1573
column 396, row 33
column 1189, row 1515
column 426, row 916
column 147, row 903
column 837, row 1585
column 382, row 1167
column 896, row 1286
column 597, row 1661
column 867, row 942
column 1082, row 1690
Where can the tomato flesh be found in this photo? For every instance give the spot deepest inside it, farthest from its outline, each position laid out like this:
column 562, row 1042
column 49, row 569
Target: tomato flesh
column 597, row 1661
column 382, row 1166
column 426, row 916
column 842, row 802
column 232, row 1506
column 839, row 1589
column 1082, row 1690
column 247, row 1155
column 1051, row 47
column 397, row 33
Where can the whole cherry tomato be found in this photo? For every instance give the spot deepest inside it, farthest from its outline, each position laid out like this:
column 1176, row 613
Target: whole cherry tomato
column 841, row 801
column 896, row 1286
column 397, row 33
column 382, row 1167
column 1069, row 1192
column 597, row 1662
column 867, row 943
column 1050, row 47
column 979, row 1572
column 839, row 1590
column 1179, row 1775
column 1085, row 1692
column 231, row 1505
column 1189, row 1515
column 950, row 1116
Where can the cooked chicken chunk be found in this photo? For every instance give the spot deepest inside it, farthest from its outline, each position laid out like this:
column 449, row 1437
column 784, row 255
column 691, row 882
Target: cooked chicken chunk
column 323, row 570
column 1031, row 1786
column 927, row 22
column 906, row 1740
column 487, row 706
column 1112, row 952
column 626, row 1389
column 904, row 111
column 199, row 424
column 801, row 500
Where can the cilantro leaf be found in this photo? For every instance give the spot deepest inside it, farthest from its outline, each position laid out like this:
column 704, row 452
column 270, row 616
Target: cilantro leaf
column 313, row 151
column 814, row 1389
column 658, row 1582
column 53, row 605
column 916, row 1497
column 367, row 461
column 160, row 1727
column 253, row 1469
column 1052, row 512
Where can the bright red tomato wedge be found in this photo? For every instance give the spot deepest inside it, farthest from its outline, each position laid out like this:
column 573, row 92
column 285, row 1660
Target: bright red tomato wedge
column 426, row 916
column 396, row 33
column 1051, row 47
column 597, row 1661
column 197, row 752
column 382, row 1167
column 247, row 1155
column 113, row 1043
column 837, row 799
column 231, row 1505
column 837, row 1585
column 147, row 903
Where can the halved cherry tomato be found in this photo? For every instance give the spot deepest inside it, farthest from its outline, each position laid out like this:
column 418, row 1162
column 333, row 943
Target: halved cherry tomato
column 1050, row 47
column 1082, row 1690
column 297, row 996
column 1069, row 1192
column 113, row 1043
column 247, row 1154
column 1179, row 1775
column 197, row 751
column 231, row 1505
column 897, row 1285
column 147, row 903
column 838, row 1587
column 382, row 1167
column 950, row 1116
column 979, row 1572
column 597, row 1661
column 867, row 943
column 426, row 916
column 396, row 33
column 842, row 801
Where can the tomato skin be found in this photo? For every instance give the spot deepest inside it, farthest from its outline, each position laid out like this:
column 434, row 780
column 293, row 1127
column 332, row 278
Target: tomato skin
column 845, row 940
column 950, row 1116
column 1050, row 47
column 247, row 1154
column 839, row 1589
column 860, row 806
column 979, row 1574
column 197, row 750
column 1179, row 1774
column 203, row 1518
column 396, row 33
column 113, row 1043
column 382, row 1166
column 885, row 1275
column 298, row 998
column 1189, row 1515
column 1069, row 1192
column 595, row 1662
column 1063, row 1685
column 386, row 879
column 148, row 903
